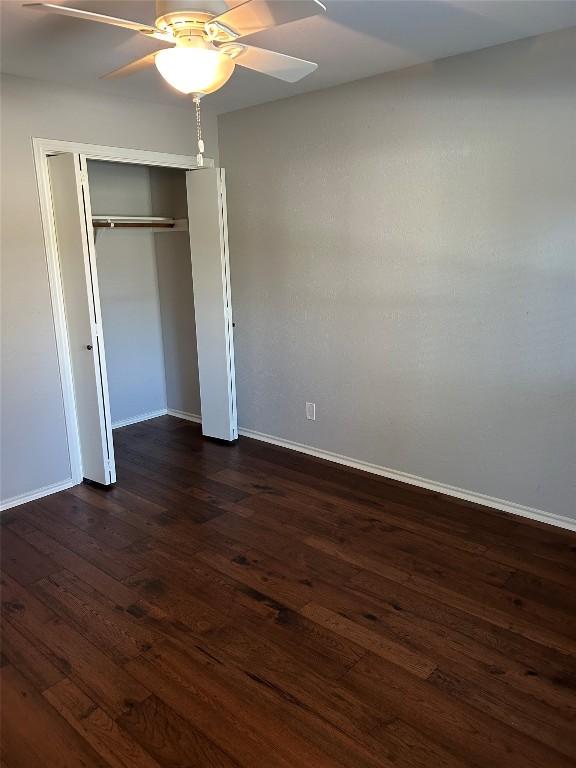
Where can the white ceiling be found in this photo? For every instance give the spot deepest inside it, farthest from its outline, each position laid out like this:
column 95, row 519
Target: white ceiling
column 355, row 39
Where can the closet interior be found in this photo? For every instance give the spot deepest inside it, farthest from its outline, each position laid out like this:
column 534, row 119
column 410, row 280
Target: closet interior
column 143, row 257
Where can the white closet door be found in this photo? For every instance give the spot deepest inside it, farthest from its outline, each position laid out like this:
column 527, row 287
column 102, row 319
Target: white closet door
column 212, row 304
column 75, row 240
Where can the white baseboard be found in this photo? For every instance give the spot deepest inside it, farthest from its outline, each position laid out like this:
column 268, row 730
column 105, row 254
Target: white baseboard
column 24, row 498
column 154, row 415
column 450, row 490
column 489, row 501
column 185, row 415
column 47, row 490
column 139, row 418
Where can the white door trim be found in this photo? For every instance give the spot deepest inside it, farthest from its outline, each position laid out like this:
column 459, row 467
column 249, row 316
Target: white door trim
column 42, row 149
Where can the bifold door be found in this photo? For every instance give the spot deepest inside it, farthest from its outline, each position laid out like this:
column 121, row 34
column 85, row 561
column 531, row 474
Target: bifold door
column 75, row 242
column 212, row 302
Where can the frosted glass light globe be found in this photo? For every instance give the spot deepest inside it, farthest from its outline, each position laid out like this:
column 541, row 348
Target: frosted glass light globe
column 194, row 70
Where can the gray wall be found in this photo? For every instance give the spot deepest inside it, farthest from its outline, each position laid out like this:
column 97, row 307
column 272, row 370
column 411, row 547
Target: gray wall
column 34, row 447
column 403, row 254
column 178, row 328
column 176, row 294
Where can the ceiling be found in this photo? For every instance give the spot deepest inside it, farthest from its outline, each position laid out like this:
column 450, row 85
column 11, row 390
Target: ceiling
column 355, row 39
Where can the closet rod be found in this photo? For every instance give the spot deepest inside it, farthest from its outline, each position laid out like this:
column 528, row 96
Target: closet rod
column 137, row 222
column 132, row 224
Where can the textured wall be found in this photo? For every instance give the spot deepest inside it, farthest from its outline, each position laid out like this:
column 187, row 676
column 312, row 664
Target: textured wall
column 176, row 294
column 403, row 254
column 34, row 446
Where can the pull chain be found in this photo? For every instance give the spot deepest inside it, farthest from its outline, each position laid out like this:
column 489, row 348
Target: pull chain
column 200, row 155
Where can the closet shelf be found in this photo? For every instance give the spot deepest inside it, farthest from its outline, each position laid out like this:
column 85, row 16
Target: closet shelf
column 152, row 223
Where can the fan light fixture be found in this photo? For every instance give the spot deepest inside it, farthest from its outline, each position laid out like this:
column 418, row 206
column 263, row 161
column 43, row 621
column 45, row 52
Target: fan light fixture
column 194, row 70
column 206, row 48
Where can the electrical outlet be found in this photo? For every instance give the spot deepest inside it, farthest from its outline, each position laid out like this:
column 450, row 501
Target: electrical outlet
column 311, row 411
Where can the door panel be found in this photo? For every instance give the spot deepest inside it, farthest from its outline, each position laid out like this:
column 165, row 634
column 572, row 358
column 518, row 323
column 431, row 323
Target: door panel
column 74, row 234
column 212, row 301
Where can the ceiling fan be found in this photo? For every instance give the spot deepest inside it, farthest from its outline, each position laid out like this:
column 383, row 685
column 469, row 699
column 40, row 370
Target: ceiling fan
column 206, row 50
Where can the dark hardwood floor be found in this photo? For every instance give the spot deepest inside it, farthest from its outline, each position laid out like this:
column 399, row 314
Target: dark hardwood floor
column 251, row 606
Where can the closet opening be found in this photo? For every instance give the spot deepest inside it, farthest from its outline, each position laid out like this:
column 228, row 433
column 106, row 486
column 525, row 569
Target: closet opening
column 140, row 220
column 143, row 264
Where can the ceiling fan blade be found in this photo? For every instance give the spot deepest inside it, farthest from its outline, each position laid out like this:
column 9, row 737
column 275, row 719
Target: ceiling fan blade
column 76, row 13
column 130, row 69
column 271, row 63
column 255, row 15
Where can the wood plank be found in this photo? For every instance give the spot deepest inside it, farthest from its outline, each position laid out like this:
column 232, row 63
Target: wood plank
column 461, row 729
column 286, row 546
column 104, row 527
column 483, row 525
column 189, row 479
column 107, row 626
column 34, row 734
column 142, row 483
column 70, row 561
column 288, row 678
column 526, row 714
column 82, row 661
column 117, row 564
column 21, row 608
column 542, row 590
column 170, row 739
column 94, row 725
column 515, row 622
column 91, row 669
column 206, row 692
column 278, row 727
column 27, row 658
column 398, row 654
column 21, row 561
column 451, row 638
column 406, row 746
column 272, row 494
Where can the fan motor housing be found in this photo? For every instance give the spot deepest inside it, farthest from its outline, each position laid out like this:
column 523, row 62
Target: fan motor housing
column 184, row 23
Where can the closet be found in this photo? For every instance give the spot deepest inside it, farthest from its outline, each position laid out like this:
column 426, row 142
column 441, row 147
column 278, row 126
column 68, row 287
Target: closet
column 146, row 294
column 143, row 259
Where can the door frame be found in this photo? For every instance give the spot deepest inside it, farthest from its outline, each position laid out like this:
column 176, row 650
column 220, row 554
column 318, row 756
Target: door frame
column 42, row 149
